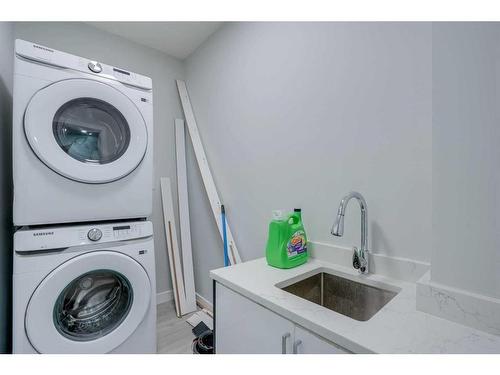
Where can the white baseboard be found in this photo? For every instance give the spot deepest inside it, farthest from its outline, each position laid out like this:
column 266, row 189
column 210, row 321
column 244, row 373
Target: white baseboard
column 168, row 295
column 204, row 303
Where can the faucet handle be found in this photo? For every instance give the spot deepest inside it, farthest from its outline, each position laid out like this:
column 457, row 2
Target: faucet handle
column 356, row 263
column 363, row 263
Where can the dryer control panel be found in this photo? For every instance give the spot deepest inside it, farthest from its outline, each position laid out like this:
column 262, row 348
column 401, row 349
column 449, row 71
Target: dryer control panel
column 49, row 56
column 53, row 238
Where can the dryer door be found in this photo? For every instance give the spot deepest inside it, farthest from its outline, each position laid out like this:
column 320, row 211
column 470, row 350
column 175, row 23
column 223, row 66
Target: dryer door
column 89, row 304
column 86, row 130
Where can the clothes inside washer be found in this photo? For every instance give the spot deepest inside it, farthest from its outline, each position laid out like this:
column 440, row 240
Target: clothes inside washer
column 93, row 305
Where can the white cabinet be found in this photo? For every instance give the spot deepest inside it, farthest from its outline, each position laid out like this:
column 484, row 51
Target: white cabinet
column 245, row 327
column 306, row 342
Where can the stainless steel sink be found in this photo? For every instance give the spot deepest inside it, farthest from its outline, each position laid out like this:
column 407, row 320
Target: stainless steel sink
column 350, row 298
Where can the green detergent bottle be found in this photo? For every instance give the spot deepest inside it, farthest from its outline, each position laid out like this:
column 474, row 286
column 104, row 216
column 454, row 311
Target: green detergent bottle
column 287, row 241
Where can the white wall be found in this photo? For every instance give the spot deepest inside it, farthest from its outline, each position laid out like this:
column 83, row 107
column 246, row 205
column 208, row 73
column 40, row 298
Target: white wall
column 6, row 66
column 298, row 114
column 466, row 156
column 87, row 41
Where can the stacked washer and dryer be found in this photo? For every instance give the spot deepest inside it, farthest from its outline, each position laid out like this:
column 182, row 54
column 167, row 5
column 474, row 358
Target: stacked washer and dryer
column 84, row 266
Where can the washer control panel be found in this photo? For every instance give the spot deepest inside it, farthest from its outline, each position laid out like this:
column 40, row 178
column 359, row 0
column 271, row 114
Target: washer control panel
column 121, row 232
column 28, row 239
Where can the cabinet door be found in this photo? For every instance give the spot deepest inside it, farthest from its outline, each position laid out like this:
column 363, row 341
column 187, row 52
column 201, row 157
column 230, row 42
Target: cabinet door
column 306, row 342
column 244, row 327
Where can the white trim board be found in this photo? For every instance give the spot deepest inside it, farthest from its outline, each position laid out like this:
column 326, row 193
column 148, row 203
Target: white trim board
column 208, row 181
column 185, row 227
column 201, row 316
column 183, row 305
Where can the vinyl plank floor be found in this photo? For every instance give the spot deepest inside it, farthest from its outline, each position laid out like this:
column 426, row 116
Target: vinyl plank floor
column 174, row 334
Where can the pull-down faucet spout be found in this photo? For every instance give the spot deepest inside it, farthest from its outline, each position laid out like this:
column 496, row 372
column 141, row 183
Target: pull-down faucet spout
column 360, row 257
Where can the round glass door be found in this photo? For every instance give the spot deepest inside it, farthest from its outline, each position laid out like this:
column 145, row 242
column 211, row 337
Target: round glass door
column 89, row 304
column 93, row 305
column 91, row 130
column 86, row 130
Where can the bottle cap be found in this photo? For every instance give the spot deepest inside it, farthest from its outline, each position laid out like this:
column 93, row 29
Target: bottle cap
column 278, row 215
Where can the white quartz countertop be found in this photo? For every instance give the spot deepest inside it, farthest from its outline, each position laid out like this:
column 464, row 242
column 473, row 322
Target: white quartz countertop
column 397, row 328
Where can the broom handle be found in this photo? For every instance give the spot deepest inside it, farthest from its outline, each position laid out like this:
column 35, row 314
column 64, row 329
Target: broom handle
column 224, row 235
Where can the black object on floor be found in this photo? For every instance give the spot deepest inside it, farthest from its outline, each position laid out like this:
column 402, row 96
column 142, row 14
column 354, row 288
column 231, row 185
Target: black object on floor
column 199, row 329
column 204, row 344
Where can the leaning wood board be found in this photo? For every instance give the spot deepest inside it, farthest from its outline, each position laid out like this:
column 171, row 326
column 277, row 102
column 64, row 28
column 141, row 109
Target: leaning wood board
column 174, row 257
column 208, row 181
column 182, row 192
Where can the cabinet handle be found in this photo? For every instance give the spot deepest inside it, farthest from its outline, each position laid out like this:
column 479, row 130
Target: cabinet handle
column 296, row 346
column 283, row 342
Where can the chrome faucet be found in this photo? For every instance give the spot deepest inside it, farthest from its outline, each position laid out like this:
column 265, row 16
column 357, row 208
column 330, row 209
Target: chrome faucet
column 359, row 257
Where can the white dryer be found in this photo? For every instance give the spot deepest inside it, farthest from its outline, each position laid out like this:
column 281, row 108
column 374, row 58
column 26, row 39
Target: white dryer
column 82, row 139
column 85, row 289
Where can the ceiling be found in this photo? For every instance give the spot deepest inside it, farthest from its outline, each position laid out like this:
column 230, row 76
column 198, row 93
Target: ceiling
column 177, row 39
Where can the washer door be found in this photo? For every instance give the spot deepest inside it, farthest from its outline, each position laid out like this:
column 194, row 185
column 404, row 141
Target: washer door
column 89, row 304
column 86, row 130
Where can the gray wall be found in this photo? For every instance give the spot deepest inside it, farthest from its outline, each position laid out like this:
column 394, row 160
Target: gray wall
column 87, row 41
column 466, row 156
column 298, row 114
column 6, row 62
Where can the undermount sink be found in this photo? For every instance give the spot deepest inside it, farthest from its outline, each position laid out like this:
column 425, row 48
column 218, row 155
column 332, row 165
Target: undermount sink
column 356, row 300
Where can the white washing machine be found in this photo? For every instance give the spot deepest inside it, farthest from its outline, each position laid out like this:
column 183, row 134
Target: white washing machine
column 82, row 139
column 85, row 289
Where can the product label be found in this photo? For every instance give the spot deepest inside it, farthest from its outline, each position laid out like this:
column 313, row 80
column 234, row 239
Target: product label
column 297, row 244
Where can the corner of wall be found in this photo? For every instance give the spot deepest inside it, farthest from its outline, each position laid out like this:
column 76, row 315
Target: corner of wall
column 6, row 78
column 460, row 306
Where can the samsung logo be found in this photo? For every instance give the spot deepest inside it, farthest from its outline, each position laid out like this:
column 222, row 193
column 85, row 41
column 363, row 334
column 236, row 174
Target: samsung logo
column 43, row 48
column 36, row 234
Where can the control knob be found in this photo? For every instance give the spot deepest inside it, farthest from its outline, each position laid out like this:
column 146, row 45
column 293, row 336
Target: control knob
column 94, row 234
column 95, row 67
